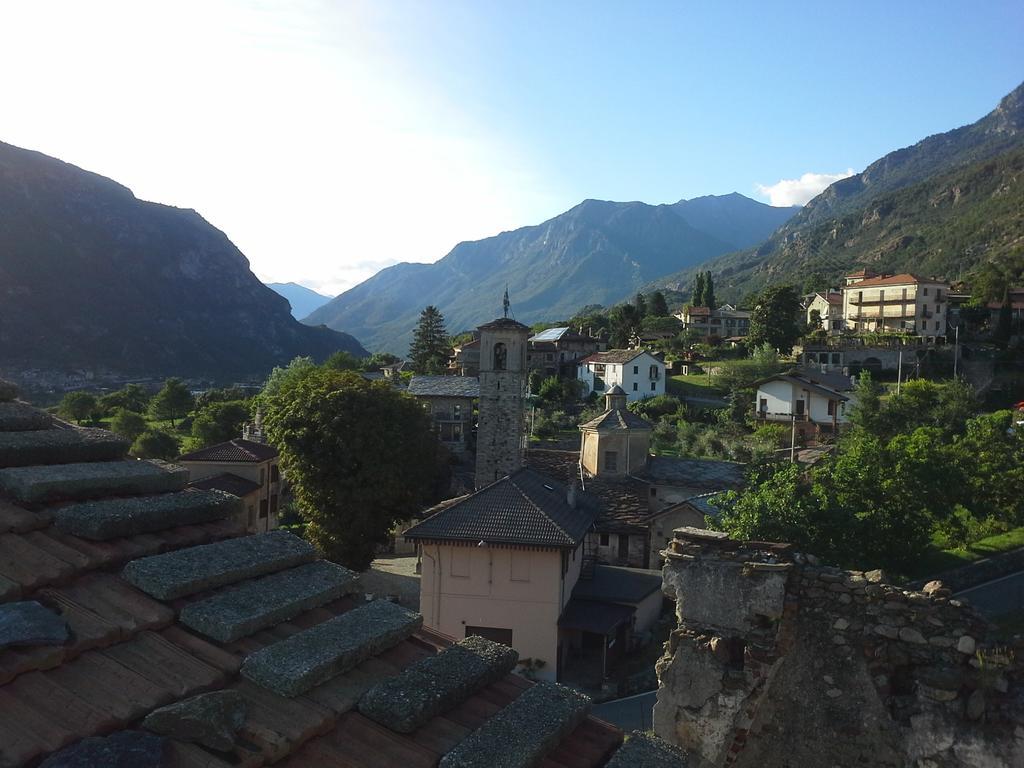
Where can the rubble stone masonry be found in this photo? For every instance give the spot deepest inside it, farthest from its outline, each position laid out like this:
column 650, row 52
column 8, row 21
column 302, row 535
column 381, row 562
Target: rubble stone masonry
column 780, row 661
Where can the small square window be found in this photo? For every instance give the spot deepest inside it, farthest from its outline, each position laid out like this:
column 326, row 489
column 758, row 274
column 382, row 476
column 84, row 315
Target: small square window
column 636, row 369
column 611, row 461
column 604, row 540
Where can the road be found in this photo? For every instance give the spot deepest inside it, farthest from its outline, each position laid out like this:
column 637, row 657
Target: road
column 632, row 713
column 999, row 596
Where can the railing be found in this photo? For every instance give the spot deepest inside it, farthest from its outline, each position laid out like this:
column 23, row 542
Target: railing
column 901, row 300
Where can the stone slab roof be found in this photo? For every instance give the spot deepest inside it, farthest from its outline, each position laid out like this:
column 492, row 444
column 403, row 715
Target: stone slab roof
column 695, row 473
column 94, row 655
column 614, row 356
column 618, row 585
column 243, row 451
column 594, row 616
column 805, row 382
column 525, row 508
column 444, row 386
column 617, row 418
column 227, row 482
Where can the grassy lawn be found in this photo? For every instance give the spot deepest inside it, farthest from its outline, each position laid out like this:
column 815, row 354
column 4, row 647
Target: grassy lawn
column 937, row 560
column 697, row 385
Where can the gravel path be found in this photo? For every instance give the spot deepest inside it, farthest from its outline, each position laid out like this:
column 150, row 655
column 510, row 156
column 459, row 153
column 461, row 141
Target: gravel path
column 394, row 576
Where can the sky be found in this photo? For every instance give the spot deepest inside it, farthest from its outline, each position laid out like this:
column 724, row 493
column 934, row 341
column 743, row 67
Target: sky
column 332, row 139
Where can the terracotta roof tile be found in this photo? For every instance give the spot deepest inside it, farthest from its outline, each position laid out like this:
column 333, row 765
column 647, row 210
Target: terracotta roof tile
column 246, row 451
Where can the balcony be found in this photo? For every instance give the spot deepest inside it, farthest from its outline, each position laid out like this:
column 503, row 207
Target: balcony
column 900, row 300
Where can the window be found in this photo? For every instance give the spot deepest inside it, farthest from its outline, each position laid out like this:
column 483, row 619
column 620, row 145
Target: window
column 273, row 504
column 936, row 325
column 263, row 475
column 636, row 369
column 503, row 636
column 520, row 565
column 275, row 473
column 654, row 491
column 800, row 405
column 925, row 291
column 636, row 386
column 500, row 356
column 549, row 356
column 835, row 358
column 604, row 540
column 654, row 372
column 459, row 568
column 763, row 408
column 457, row 412
column 611, row 461
column 654, row 386
column 831, row 407
column 263, row 508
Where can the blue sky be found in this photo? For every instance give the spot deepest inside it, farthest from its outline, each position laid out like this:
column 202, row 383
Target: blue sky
column 330, row 139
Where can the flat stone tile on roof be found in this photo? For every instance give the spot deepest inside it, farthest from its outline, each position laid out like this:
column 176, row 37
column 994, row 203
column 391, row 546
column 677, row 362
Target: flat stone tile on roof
column 523, row 732
column 37, row 484
column 643, row 751
column 124, row 749
column 30, row 623
column 22, row 417
column 307, row 659
column 60, row 446
column 187, row 571
column 267, row 601
column 7, row 391
column 436, row 684
column 114, row 518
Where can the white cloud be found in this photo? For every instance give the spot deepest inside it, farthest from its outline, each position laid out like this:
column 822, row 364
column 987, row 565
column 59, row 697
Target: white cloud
column 787, row 192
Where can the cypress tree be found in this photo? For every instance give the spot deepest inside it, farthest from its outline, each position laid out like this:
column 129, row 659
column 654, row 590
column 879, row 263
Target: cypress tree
column 429, row 349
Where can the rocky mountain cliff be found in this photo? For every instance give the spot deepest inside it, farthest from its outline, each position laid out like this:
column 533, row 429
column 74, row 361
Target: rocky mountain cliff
column 91, row 277
column 595, row 253
column 947, row 205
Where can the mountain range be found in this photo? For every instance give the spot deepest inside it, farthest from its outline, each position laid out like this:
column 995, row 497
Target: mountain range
column 92, row 277
column 302, row 300
column 595, row 253
column 946, row 206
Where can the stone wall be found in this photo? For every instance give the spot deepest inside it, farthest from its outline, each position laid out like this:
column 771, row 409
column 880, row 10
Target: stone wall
column 778, row 660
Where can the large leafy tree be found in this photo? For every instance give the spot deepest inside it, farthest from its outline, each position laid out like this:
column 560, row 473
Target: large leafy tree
column 429, row 349
column 218, row 423
column 132, row 397
column 128, row 424
column 155, row 444
column 172, row 402
column 78, row 406
column 774, row 319
column 360, row 456
column 658, row 305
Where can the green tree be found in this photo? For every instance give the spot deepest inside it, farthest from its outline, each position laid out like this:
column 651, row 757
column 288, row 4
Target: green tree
column 131, row 397
column 379, row 360
column 866, row 411
column 774, row 319
column 218, row 423
column 709, row 292
column 172, row 402
column 360, row 457
column 78, row 406
column 815, row 320
column 624, row 322
column 155, row 444
column 659, row 307
column 279, row 376
column 128, row 424
column 429, row 349
column 699, row 288
column 344, row 361
column 641, row 306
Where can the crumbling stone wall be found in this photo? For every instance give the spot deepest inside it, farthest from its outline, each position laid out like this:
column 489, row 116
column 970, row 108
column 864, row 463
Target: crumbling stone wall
column 779, row 661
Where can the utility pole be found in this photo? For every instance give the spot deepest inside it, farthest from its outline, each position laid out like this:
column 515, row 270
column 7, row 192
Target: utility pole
column 792, row 442
column 899, row 371
column 956, row 348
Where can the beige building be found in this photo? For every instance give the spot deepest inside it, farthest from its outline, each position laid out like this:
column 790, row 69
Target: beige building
column 829, row 308
column 245, row 468
column 901, row 303
column 724, row 322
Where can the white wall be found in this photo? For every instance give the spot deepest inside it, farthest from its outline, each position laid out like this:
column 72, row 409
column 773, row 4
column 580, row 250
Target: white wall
column 623, row 375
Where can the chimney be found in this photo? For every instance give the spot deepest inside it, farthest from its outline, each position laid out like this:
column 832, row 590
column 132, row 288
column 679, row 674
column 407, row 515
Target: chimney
column 570, row 489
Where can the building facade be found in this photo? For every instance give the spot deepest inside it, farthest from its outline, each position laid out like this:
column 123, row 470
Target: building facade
column 639, row 373
column 556, row 351
column 829, row 308
column 724, row 322
column 805, row 401
column 901, row 303
column 449, row 400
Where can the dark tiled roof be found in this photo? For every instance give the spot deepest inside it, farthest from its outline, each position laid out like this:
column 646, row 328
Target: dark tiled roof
column 524, row 508
column 233, row 450
column 701, row 502
column 805, row 383
column 444, row 386
column 129, row 653
column 613, row 584
column 227, row 482
column 505, row 324
column 622, row 500
column 591, row 616
column 617, row 418
column 695, row 473
column 614, row 356
column 836, row 381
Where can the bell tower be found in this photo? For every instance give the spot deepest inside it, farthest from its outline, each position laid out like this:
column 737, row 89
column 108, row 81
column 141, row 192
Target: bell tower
column 503, row 375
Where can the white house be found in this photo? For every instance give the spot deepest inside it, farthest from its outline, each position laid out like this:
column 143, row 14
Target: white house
column 814, row 402
column 829, row 306
column 637, row 371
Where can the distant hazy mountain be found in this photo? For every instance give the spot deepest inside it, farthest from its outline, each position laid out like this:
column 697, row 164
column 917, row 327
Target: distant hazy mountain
column 303, row 300
column 596, row 253
column 942, row 207
column 92, row 277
